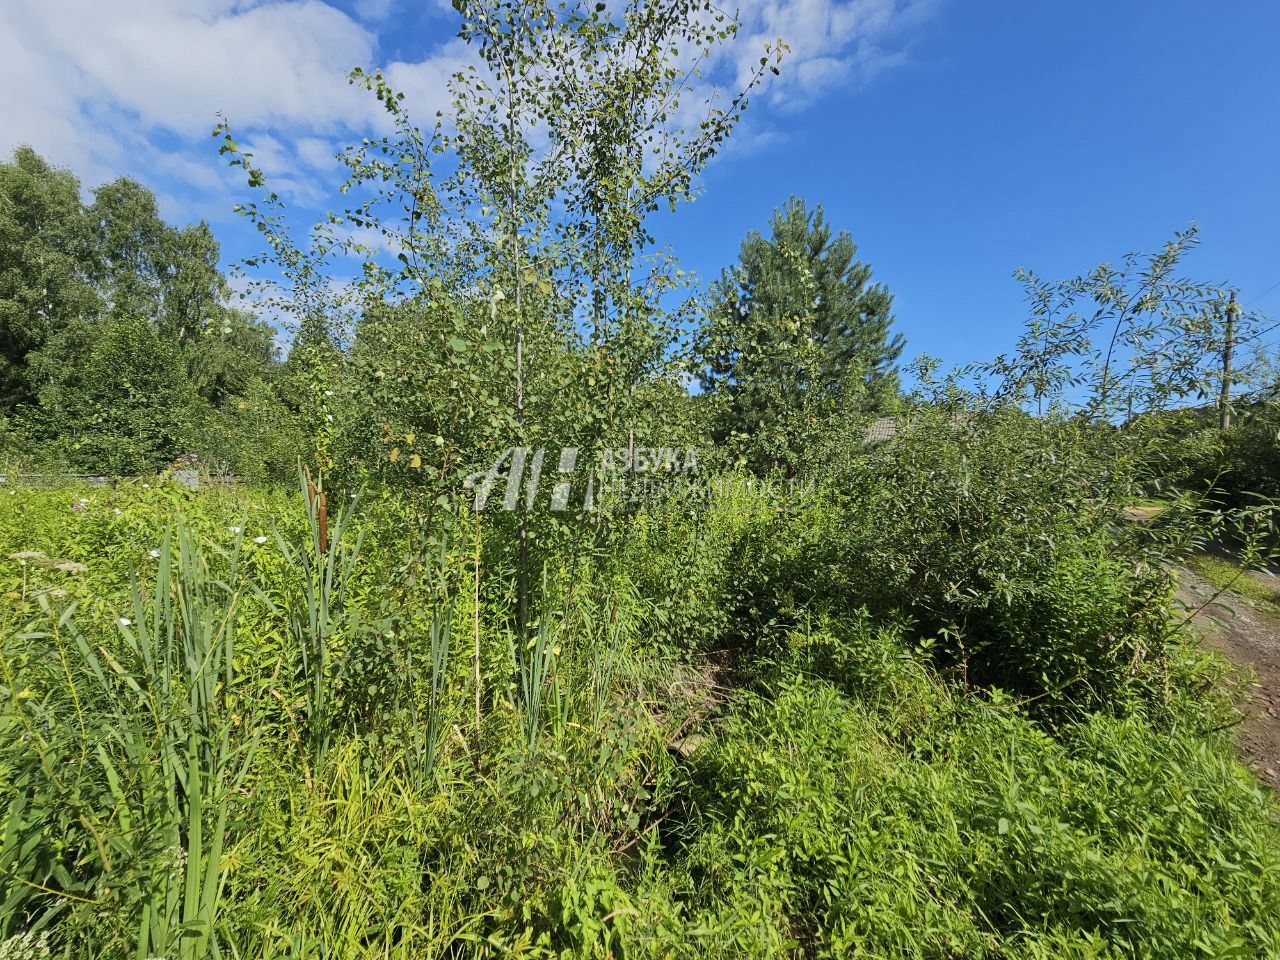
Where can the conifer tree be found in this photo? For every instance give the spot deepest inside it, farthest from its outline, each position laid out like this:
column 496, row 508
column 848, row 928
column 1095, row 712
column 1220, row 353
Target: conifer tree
column 797, row 332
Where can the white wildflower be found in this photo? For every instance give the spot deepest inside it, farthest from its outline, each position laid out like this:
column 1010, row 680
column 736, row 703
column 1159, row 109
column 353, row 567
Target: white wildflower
column 259, row 539
column 125, row 622
column 176, row 860
column 154, row 554
column 26, row 946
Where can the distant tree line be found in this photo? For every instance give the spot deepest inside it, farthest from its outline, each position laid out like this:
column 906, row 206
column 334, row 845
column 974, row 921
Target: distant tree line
column 120, row 351
column 119, row 348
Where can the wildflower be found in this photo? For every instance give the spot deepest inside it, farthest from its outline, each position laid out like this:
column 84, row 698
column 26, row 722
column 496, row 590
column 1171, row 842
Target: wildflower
column 70, row 566
column 24, row 555
column 125, row 622
column 84, row 501
column 259, row 539
column 117, row 511
column 328, row 393
column 26, row 946
column 154, row 554
column 235, row 529
column 176, row 860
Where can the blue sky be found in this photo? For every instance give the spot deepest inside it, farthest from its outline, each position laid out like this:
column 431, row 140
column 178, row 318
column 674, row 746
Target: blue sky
column 956, row 140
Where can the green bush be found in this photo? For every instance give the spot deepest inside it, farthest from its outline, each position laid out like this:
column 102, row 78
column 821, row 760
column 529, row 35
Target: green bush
column 980, row 836
column 1002, row 539
column 1250, row 462
column 834, row 789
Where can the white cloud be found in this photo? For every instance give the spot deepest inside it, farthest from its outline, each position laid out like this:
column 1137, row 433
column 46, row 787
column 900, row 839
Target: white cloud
column 425, row 84
column 175, row 65
column 37, row 108
column 111, row 87
column 318, row 153
column 135, row 86
column 269, row 155
column 374, row 11
column 831, row 42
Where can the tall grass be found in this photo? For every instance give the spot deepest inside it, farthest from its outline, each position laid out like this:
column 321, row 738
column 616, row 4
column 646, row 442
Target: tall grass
column 424, row 750
column 535, row 669
column 318, row 608
column 140, row 748
column 841, row 791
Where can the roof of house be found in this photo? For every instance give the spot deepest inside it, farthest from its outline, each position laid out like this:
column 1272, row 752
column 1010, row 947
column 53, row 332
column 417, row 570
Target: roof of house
column 881, row 429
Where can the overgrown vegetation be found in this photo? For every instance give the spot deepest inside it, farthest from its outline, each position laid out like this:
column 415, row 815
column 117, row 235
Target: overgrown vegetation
column 804, row 696
column 756, row 763
column 119, row 349
column 1227, row 575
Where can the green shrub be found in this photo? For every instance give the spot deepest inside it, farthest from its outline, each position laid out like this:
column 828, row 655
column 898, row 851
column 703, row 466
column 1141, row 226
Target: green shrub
column 829, row 787
column 1002, row 539
column 981, row 836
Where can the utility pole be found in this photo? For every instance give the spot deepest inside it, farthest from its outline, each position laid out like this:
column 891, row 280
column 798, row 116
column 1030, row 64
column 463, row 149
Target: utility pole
column 1228, row 342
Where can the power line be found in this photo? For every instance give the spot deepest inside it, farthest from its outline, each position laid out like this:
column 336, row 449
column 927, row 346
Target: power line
column 1263, row 293
column 1258, row 334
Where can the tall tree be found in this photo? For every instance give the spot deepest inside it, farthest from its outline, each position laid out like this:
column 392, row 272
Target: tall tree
column 82, row 285
column 45, row 253
column 796, row 332
column 130, row 242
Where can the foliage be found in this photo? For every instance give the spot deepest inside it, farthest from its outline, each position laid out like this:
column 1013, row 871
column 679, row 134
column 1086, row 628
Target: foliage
column 933, row 701
column 122, row 784
column 1127, row 339
column 981, row 837
column 995, row 533
column 797, row 339
column 44, row 283
column 1242, row 463
column 124, row 407
column 846, row 798
column 256, row 435
column 117, row 338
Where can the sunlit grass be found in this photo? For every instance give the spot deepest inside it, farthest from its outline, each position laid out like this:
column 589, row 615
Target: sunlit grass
column 631, row 781
column 1228, row 576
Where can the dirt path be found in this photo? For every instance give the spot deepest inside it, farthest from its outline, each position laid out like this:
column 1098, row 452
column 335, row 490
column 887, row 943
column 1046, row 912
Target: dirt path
column 1251, row 641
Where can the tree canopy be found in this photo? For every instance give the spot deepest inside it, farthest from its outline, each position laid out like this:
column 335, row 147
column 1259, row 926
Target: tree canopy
column 797, row 332
column 118, row 340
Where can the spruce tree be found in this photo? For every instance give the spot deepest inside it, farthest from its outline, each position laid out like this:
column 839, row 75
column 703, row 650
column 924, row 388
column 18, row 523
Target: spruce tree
column 797, row 333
